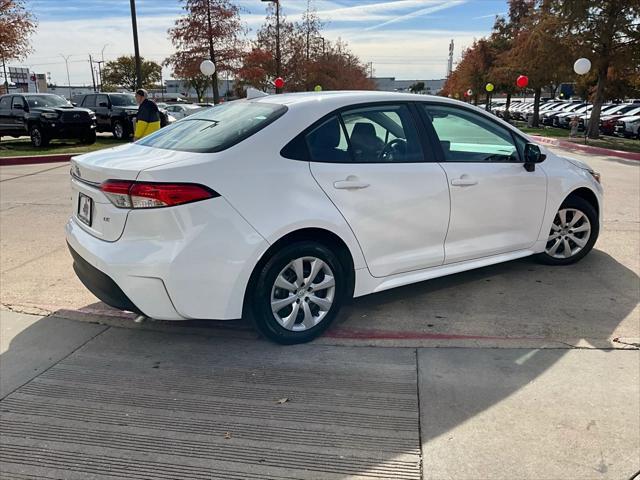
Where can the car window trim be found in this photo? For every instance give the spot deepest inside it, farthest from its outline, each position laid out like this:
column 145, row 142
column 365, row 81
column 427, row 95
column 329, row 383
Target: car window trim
column 434, row 136
column 338, row 113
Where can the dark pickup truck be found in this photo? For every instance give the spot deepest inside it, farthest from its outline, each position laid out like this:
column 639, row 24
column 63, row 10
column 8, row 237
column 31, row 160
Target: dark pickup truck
column 115, row 112
column 44, row 116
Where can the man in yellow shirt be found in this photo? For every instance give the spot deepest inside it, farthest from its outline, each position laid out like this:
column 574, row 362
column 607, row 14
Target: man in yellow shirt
column 148, row 117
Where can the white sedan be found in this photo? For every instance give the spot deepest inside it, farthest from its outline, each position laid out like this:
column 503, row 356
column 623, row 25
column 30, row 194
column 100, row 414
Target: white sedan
column 179, row 111
column 281, row 208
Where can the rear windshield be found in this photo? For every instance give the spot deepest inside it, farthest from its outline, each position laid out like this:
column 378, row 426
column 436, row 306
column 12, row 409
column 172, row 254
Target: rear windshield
column 215, row 129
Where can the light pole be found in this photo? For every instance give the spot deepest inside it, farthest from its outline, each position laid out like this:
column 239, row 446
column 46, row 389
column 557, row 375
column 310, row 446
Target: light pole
column 277, row 2
column 134, row 25
column 66, row 61
column 582, row 67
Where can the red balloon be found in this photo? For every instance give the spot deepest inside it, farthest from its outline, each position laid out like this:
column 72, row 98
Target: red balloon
column 278, row 82
column 522, row 81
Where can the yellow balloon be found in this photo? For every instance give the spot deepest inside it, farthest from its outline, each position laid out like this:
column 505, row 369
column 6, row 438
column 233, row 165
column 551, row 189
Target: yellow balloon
column 489, row 87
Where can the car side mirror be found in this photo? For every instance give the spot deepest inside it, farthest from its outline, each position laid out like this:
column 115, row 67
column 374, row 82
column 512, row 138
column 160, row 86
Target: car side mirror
column 74, row 104
column 103, row 104
column 532, row 155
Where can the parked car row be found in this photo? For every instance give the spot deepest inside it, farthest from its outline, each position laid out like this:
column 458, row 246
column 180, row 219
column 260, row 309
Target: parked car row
column 621, row 119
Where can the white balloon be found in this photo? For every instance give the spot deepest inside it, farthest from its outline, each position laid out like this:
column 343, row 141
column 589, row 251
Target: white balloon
column 207, row 67
column 582, row 66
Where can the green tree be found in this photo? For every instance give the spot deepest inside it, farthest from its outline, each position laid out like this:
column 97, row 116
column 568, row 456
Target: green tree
column 608, row 32
column 122, row 72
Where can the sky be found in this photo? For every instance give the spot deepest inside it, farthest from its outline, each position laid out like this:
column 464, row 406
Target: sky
column 406, row 39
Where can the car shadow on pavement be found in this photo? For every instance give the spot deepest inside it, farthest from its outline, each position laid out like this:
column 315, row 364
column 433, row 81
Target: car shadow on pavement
column 353, row 411
column 589, row 301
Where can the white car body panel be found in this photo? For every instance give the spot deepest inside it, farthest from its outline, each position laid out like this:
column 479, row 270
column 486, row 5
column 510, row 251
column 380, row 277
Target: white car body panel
column 501, row 213
column 400, row 219
column 410, row 224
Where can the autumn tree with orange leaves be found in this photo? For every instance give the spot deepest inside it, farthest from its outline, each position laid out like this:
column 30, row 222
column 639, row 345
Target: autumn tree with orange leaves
column 213, row 30
column 17, row 24
column 306, row 58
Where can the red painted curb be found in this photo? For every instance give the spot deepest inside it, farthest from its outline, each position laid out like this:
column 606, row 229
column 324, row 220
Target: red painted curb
column 35, row 159
column 585, row 148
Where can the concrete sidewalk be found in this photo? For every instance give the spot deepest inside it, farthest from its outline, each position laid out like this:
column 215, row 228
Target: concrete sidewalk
column 105, row 402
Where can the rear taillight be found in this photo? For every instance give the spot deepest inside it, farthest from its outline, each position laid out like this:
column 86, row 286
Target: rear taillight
column 128, row 194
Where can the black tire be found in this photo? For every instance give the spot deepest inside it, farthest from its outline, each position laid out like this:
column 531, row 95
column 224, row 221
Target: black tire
column 89, row 138
column 260, row 298
column 580, row 204
column 120, row 130
column 38, row 137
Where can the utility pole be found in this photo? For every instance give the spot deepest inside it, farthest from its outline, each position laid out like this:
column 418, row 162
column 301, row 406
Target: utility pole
column 214, row 77
column 93, row 78
column 99, row 62
column 450, row 62
column 6, row 80
column 370, row 70
column 278, row 73
column 66, row 61
column 136, row 49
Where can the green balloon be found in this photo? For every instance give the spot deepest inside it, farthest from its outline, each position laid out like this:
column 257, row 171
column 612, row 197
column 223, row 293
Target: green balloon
column 317, row 88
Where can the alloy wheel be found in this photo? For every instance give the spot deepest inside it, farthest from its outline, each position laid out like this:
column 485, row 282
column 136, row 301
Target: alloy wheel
column 36, row 137
column 118, row 131
column 303, row 293
column 569, row 234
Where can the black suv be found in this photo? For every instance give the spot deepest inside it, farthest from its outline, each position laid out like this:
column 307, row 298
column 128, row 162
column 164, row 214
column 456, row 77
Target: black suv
column 44, row 116
column 114, row 111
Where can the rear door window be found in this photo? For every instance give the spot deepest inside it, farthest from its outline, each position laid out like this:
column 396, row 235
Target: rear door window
column 89, row 101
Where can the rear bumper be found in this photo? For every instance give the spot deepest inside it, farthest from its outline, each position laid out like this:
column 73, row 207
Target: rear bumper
column 192, row 261
column 101, row 285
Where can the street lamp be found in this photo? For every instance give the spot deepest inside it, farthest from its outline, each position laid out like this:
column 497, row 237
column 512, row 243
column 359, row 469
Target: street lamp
column 277, row 2
column 582, row 67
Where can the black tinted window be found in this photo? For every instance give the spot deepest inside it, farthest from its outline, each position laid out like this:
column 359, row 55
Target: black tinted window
column 123, row 100
column 5, row 102
column 89, row 101
column 102, row 101
column 17, row 101
column 328, row 143
column 382, row 134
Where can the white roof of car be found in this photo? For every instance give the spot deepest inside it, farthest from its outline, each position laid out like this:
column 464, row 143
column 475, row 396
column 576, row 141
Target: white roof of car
column 346, row 96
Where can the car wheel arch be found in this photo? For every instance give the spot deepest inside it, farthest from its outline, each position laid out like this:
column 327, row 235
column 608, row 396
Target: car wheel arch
column 325, row 237
column 588, row 195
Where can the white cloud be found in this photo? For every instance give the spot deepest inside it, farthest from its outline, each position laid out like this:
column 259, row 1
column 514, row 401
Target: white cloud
column 419, row 13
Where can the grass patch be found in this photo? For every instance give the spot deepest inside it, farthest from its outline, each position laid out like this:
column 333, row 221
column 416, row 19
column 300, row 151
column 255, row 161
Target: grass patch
column 22, row 147
column 605, row 141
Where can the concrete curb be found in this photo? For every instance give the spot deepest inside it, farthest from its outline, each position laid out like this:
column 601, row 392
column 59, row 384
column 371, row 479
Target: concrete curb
column 555, row 142
column 35, row 159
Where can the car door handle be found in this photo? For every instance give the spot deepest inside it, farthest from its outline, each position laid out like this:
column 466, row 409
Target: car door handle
column 464, row 181
column 350, row 183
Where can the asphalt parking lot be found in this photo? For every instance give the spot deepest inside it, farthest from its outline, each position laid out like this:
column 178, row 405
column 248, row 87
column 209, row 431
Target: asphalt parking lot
column 537, row 375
